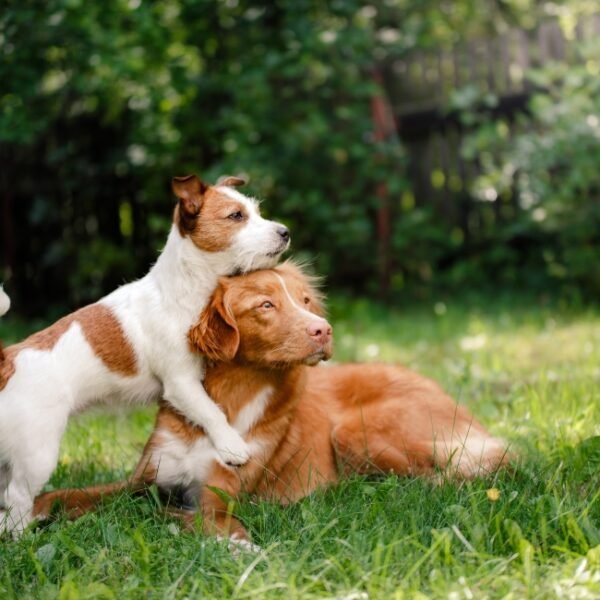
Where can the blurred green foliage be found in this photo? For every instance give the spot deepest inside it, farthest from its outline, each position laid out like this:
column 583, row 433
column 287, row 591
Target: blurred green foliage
column 550, row 169
column 102, row 102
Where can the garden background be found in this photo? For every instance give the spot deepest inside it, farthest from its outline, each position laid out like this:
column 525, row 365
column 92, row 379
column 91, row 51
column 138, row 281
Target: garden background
column 437, row 162
column 412, row 146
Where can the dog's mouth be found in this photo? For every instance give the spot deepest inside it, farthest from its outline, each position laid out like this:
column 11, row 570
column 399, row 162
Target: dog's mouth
column 272, row 255
column 280, row 250
column 316, row 357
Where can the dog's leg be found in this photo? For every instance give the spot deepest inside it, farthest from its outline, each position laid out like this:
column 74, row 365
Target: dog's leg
column 218, row 496
column 18, row 512
column 377, row 438
column 189, row 397
column 30, row 471
column 217, row 501
column 4, row 479
column 363, row 444
column 5, row 471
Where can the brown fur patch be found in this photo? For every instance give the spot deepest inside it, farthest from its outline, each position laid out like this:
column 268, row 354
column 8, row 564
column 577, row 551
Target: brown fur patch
column 184, row 222
column 102, row 331
column 214, row 231
column 211, row 230
column 105, row 335
column 215, row 335
column 231, row 181
column 74, row 501
column 170, row 420
column 190, row 191
column 42, row 340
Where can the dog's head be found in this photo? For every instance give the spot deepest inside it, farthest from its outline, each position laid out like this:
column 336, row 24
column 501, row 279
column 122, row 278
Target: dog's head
column 271, row 318
column 220, row 220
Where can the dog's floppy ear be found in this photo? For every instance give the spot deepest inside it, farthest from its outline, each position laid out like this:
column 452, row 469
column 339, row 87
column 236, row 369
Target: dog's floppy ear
column 216, row 335
column 231, row 181
column 189, row 190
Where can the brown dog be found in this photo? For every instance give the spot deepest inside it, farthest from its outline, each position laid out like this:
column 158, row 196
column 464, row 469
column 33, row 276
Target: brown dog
column 305, row 426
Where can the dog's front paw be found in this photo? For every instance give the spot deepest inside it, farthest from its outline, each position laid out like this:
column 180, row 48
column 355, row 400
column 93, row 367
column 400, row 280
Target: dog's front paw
column 233, row 450
column 8, row 527
column 3, row 522
column 240, row 543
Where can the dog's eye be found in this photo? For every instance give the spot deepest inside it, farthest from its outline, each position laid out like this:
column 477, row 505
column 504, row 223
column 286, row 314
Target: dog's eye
column 236, row 216
column 267, row 304
column 306, row 300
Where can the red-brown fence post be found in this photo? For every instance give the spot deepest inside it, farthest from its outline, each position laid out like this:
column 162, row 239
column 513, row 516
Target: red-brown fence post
column 384, row 128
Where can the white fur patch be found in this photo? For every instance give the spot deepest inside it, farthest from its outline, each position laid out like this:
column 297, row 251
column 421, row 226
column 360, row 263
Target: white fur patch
column 238, row 196
column 470, row 452
column 258, row 244
column 252, row 412
column 304, row 312
column 237, row 545
column 4, row 302
column 180, row 463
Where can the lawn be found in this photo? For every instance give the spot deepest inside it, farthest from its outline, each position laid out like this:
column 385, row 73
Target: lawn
column 529, row 370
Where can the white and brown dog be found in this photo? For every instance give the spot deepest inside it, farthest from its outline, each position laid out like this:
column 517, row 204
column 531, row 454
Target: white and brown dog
column 132, row 345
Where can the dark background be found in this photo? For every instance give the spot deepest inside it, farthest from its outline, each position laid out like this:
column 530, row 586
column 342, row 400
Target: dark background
column 412, row 146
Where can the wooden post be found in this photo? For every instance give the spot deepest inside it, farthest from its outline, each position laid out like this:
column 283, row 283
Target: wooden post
column 384, row 128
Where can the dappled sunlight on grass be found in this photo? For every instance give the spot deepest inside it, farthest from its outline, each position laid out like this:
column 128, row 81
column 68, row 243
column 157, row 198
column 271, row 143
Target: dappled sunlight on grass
column 100, row 447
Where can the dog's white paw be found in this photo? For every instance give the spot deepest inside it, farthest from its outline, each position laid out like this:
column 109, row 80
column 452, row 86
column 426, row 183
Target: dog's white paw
column 238, row 545
column 7, row 527
column 14, row 526
column 232, row 449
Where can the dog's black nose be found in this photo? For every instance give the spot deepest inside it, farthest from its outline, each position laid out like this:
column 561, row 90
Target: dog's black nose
column 284, row 232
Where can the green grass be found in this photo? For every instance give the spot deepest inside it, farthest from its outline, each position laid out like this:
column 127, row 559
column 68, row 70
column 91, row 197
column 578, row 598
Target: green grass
column 530, row 372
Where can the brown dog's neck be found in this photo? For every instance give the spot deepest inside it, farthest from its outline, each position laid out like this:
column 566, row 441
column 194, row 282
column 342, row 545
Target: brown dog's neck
column 234, row 384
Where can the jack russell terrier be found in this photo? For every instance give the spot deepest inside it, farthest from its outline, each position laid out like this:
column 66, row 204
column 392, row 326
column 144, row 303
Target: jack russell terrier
column 132, row 345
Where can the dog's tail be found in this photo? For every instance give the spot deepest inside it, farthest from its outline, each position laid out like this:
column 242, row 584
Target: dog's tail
column 77, row 502
column 4, row 306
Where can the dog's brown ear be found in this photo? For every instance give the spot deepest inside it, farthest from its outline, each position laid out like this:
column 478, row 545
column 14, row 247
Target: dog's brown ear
column 189, row 190
column 231, row 181
column 216, row 335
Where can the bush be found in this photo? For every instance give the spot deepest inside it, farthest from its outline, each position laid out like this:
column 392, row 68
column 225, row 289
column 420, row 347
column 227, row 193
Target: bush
column 549, row 170
column 104, row 102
